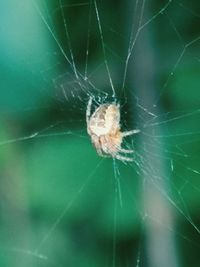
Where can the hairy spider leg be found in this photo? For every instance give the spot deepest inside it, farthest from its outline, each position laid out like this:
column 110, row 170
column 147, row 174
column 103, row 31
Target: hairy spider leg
column 123, row 150
column 120, row 157
column 88, row 111
column 127, row 133
column 126, row 150
column 123, row 158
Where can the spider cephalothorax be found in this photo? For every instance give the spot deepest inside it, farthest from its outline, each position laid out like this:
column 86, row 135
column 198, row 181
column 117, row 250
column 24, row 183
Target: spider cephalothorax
column 103, row 126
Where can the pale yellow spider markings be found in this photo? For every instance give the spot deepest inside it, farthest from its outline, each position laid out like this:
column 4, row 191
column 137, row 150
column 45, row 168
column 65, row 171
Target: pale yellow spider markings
column 103, row 126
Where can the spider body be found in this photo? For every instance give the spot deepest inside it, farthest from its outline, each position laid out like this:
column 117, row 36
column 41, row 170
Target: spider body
column 103, row 126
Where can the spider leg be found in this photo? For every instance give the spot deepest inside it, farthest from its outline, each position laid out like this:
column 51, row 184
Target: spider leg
column 123, row 158
column 126, row 150
column 99, row 150
column 120, row 157
column 88, row 110
column 118, row 148
column 101, row 154
column 127, row 133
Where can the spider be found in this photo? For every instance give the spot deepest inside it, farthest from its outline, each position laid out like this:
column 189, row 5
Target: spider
column 103, row 126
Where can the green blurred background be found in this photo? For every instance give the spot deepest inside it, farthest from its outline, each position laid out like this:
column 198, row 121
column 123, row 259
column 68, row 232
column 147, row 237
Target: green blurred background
column 59, row 201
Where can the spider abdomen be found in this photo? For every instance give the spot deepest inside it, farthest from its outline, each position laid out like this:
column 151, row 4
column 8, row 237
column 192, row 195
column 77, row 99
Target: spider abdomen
column 105, row 120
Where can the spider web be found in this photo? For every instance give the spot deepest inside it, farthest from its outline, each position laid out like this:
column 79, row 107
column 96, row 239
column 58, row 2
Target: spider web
column 63, row 205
